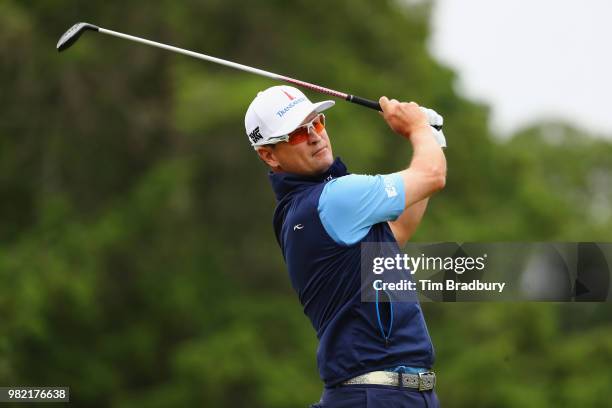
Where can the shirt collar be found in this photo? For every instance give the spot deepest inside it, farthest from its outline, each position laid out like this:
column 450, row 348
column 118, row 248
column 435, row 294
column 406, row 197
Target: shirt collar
column 284, row 183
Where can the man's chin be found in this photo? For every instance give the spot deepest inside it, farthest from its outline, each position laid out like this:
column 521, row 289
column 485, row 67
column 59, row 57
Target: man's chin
column 324, row 163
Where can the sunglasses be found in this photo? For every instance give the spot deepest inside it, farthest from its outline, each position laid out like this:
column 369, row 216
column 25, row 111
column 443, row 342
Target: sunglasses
column 302, row 133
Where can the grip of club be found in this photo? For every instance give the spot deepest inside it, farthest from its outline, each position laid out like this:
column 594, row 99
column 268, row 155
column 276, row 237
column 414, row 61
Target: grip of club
column 374, row 105
column 364, row 102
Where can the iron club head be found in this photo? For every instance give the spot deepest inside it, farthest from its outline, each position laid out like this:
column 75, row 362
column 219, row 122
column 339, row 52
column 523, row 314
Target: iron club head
column 73, row 34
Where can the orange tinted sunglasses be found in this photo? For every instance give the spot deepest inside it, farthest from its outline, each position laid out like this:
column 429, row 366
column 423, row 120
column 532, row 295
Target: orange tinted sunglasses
column 302, row 133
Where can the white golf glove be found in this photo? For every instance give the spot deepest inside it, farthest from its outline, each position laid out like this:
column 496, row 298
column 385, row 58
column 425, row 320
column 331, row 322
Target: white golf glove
column 435, row 120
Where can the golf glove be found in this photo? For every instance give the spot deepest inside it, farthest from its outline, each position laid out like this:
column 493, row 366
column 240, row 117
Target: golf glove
column 435, row 120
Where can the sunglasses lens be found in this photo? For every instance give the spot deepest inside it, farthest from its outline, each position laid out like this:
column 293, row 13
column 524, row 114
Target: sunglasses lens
column 298, row 136
column 301, row 134
column 319, row 125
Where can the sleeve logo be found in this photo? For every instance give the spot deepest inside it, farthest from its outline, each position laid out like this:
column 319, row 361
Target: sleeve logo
column 389, row 187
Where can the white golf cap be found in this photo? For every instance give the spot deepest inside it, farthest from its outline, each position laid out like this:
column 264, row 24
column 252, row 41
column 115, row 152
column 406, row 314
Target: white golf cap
column 276, row 112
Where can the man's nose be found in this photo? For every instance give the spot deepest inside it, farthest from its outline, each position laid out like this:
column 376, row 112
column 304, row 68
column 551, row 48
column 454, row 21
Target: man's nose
column 313, row 136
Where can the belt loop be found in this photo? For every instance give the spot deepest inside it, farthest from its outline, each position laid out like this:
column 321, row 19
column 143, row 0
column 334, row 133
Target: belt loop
column 400, row 381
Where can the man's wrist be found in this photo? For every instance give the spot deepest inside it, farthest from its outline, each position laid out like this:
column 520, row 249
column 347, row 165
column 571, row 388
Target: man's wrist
column 420, row 129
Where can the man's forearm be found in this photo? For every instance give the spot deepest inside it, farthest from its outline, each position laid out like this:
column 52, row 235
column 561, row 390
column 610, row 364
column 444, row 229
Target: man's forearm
column 427, row 154
column 427, row 171
column 406, row 224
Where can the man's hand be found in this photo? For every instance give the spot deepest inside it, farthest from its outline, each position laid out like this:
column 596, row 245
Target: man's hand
column 404, row 118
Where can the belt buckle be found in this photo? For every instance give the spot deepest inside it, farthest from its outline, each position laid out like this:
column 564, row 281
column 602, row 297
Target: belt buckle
column 426, row 383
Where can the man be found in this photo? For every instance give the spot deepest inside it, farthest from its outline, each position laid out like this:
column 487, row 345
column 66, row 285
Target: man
column 369, row 354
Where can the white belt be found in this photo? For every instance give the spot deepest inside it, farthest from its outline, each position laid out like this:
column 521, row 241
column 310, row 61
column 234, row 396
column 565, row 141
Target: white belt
column 422, row 381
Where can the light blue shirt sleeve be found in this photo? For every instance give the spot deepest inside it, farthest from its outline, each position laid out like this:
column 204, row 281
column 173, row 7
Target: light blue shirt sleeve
column 350, row 205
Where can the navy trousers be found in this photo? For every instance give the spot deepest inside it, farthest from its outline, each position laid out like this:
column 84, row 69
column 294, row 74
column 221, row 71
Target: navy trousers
column 376, row 396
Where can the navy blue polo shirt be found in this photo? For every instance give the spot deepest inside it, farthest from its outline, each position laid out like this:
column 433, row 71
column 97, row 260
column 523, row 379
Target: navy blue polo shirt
column 320, row 223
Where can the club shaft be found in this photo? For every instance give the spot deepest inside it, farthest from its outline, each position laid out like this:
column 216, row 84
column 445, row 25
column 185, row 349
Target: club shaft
column 230, row 64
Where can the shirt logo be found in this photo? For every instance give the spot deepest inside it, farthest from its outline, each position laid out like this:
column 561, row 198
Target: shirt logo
column 389, row 187
column 255, row 136
column 298, row 227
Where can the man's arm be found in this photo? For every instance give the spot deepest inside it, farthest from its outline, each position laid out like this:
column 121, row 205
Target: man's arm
column 426, row 173
column 406, row 224
column 350, row 205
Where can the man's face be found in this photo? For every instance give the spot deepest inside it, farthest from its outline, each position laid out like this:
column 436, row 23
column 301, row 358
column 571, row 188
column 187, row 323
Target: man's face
column 310, row 157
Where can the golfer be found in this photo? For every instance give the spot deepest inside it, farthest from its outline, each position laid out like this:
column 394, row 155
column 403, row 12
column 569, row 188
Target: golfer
column 370, row 354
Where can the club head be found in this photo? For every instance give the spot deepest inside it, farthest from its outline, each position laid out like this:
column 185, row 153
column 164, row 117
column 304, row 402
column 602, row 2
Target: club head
column 73, row 34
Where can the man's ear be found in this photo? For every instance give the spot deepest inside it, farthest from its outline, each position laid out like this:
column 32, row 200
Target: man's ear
column 266, row 154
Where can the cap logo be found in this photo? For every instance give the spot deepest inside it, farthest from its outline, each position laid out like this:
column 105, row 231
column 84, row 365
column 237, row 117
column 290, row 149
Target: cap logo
column 289, row 96
column 255, row 136
column 287, row 108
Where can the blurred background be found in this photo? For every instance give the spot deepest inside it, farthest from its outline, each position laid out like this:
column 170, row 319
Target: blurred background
column 138, row 264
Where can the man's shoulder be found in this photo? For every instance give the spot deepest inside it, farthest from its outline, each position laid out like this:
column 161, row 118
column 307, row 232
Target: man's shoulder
column 355, row 187
column 304, row 199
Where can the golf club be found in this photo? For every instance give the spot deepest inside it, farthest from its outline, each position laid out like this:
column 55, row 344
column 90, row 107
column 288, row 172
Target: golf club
column 74, row 32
